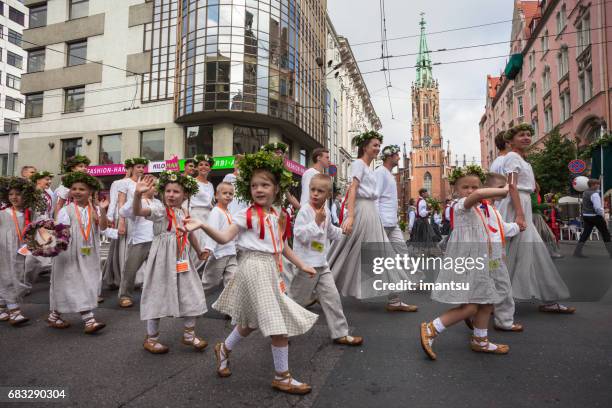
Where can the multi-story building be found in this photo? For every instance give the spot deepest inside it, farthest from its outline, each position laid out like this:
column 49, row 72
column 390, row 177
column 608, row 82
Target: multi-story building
column 348, row 108
column 557, row 76
column 159, row 78
column 13, row 19
column 429, row 161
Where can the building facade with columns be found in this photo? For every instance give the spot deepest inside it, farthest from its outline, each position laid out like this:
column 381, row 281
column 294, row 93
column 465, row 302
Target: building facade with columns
column 164, row 78
column 558, row 74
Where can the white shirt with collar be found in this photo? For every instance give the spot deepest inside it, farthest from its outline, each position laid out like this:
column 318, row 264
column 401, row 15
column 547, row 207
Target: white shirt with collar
column 422, row 208
column 248, row 239
column 310, row 241
column 140, row 230
column 220, row 220
column 386, row 190
column 236, row 204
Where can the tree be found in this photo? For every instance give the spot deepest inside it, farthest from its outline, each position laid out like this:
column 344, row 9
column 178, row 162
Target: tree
column 550, row 163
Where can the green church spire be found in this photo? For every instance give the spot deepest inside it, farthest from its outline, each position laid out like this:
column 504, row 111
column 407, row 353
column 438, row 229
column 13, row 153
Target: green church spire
column 424, row 77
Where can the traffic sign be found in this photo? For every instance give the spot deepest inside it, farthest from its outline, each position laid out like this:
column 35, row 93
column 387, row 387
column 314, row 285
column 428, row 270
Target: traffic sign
column 332, row 170
column 577, row 166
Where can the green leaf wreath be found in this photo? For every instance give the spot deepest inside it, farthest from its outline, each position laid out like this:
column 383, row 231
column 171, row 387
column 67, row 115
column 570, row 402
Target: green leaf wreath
column 189, row 184
column 74, row 161
column 79, row 177
column 362, row 139
column 32, row 197
column 262, row 160
column 469, row 170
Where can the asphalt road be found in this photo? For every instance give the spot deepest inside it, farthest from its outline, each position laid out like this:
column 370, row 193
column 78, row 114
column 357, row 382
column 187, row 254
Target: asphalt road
column 559, row 361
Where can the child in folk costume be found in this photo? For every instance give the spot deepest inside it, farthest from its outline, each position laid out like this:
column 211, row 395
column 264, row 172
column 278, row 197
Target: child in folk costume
column 255, row 298
column 280, row 150
column 236, row 205
column 171, row 287
column 201, row 204
column 483, row 284
column 221, row 262
column 23, row 202
column 76, row 274
column 139, row 238
column 423, row 234
column 500, row 231
column 62, row 193
column 313, row 228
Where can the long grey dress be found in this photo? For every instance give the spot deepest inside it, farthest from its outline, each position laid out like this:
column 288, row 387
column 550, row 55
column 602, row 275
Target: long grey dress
column 166, row 293
column 12, row 264
column 76, row 277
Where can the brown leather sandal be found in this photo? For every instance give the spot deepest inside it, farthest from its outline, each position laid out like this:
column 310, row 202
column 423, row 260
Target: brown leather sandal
column 16, row 318
column 153, row 346
column 93, row 326
column 125, row 302
column 428, row 333
column 284, row 384
column 4, row 314
column 57, row 323
column 516, row 327
column 402, row 307
column 475, row 346
column 222, row 372
column 556, row 308
column 349, row 340
column 196, row 342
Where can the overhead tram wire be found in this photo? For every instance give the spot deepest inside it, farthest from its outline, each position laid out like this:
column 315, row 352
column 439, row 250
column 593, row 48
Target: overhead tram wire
column 384, row 49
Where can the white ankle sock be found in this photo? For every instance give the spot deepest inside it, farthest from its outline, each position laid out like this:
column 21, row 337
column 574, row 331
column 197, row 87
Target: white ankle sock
column 480, row 332
column 152, row 327
column 87, row 316
column 483, row 333
column 233, row 339
column 281, row 358
column 189, row 333
column 12, row 306
column 438, row 325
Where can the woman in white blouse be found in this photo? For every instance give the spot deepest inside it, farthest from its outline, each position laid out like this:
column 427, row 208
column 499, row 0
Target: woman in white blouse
column 201, row 203
column 532, row 272
column 363, row 226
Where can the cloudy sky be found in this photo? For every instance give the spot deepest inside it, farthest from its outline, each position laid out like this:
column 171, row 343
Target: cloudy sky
column 462, row 85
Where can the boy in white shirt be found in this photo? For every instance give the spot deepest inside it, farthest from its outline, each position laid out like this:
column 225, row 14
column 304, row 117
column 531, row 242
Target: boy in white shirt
column 312, row 230
column 139, row 238
column 222, row 265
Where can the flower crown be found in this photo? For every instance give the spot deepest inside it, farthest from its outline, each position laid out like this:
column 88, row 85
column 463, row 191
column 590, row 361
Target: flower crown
column 522, row 127
column 390, row 150
column 272, row 147
column 74, row 161
column 469, row 170
column 136, row 160
column 189, row 184
column 261, row 160
column 40, row 175
column 203, row 158
column 32, row 197
column 362, row 139
column 78, row 177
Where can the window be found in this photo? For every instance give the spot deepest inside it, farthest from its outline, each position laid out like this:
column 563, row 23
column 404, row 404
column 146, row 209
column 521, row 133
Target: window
column 585, row 82
column 565, row 107
column 531, row 61
column 533, row 96
column 1, row 29
column 519, row 103
column 71, row 148
column 583, row 33
column 427, row 182
column 110, row 149
column 303, row 157
column 38, row 16
column 16, row 16
column 12, row 104
column 548, row 119
column 14, row 60
column 36, row 60
column 4, row 161
column 74, row 100
column 1, row 8
column 79, row 8
column 544, row 42
column 11, row 125
column 14, row 37
column 152, row 144
column 249, row 139
column 546, row 80
column 561, row 19
column 198, row 140
column 34, row 105
column 563, row 61
column 13, row 81
column 534, row 123
column 77, row 53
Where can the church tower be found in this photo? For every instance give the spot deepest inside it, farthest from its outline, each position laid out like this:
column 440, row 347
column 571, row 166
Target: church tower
column 428, row 161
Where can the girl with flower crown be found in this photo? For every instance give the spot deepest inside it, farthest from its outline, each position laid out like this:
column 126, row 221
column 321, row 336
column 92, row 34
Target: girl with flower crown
column 23, row 202
column 255, row 298
column 364, row 226
column 76, row 163
column 201, row 204
column 172, row 287
column 472, row 264
column 76, row 275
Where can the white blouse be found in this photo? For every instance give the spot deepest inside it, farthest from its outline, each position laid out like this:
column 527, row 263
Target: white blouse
column 514, row 163
column 498, row 165
column 386, row 190
column 367, row 180
column 248, row 239
column 219, row 220
column 236, row 204
column 204, row 196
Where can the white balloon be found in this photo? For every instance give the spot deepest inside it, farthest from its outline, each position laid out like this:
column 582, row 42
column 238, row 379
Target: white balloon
column 580, row 183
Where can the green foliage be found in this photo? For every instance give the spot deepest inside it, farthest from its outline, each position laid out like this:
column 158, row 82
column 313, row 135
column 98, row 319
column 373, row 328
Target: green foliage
column 79, row 177
column 203, row 158
column 32, row 197
column 550, row 163
column 136, row 160
column 189, row 184
column 362, row 139
column 434, row 204
column 40, row 175
column 272, row 147
column 469, row 170
column 74, row 161
column 604, row 141
column 262, row 160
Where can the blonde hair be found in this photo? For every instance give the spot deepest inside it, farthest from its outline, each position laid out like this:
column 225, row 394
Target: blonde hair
column 323, row 178
column 223, row 184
